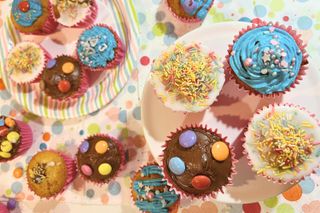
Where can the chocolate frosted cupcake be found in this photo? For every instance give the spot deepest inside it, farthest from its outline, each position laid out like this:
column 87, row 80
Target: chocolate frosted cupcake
column 99, row 159
column 197, row 162
column 151, row 193
column 64, row 79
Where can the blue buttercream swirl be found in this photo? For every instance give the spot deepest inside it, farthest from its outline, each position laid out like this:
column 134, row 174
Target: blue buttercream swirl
column 199, row 8
column 267, row 59
column 162, row 200
column 96, row 47
column 26, row 19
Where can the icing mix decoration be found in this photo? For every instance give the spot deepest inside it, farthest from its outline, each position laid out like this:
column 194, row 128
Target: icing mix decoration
column 26, row 12
column 267, row 59
column 71, row 8
column 149, row 199
column 198, row 8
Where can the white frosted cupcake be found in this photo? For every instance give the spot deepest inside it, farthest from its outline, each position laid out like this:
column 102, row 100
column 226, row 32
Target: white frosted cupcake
column 282, row 143
column 187, row 77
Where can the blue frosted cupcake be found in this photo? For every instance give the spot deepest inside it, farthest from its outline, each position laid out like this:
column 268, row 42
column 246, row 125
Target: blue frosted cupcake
column 99, row 48
column 267, row 59
column 151, row 193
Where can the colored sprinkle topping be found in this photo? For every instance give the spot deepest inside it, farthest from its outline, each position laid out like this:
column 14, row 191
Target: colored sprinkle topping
column 187, row 73
column 39, row 173
column 282, row 141
column 65, row 5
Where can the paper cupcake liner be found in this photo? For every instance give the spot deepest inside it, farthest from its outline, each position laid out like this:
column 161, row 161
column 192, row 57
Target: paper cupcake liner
column 173, row 209
column 206, row 196
column 250, row 161
column 3, row 208
column 299, row 42
column 118, row 57
column 122, row 164
column 184, row 19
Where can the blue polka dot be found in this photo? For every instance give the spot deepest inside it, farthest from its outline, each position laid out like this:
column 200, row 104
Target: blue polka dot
column 307, row 185
column 137, row 113
column 169, row 39
column 123, row 116
column 43, row 146
column 90, row 193
column 304, row 23
column 16, row 187
column 5, row 167
column 5, row 95
column 131, row 88
column 150, row 35
column 5, row 110
column 260, row 11
column 245, row 19
column 114, row 188
column 170, row 27
column 57, row 127
column 141, row 18
column 81, row 132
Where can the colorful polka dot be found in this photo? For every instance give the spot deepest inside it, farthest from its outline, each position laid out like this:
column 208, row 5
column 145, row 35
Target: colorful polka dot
column 46, row 136
column 293, row 194
column 16, row 187
column 260, row 10
column 123, row 116
column 144, row 60
column 159, row 29
column 137, row 113
column 271, row 202
column 90, row 193
column 251, row 208
column 57, row 127
column 307, row 185
column 304, row 23
column 114, row 188
column 285, row 208
column 43, row 146
column 93, row 129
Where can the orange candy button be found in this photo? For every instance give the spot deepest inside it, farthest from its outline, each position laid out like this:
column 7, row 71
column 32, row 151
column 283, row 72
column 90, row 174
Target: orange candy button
column 67, row 67
column 9, row 122
column 101, row 147
column 220, row 151
column 18, row 172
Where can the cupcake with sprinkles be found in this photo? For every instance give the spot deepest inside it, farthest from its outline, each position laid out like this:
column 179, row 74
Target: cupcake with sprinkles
column 33, row 16
column 189, row 10
column 267, row 59
column 151, row 192
column 26, row 62
column 187, row 77
column 282, row 143
column 99, row 48
column 78, row 13
column 198, row 162
column 100, row 158
column 15, row 138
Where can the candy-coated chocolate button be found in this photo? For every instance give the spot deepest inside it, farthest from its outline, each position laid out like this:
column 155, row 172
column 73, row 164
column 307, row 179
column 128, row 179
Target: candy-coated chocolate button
column 9, row 122
column 84, row 147
column 24, row 6
column 187, row 139
column 101, row 147
column 177, row 166
column 51, row 63
column 105, row 169
column 200, row 182
column 13, row 137
column 67, row 67
column 5, row 155
column 1, row 122
column 64, row 86
column 3, row 131
column 6, row 146
column 220, row 151
column 86, row 170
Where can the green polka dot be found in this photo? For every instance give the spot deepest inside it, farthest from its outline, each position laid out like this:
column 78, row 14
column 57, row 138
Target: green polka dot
column 108, row 127
column 241, row 10
column 285, row 208
column 159, row 29
column 271, row 202
column 93, row 129
column 8, row 192
column 317, row 26
column 277, row 5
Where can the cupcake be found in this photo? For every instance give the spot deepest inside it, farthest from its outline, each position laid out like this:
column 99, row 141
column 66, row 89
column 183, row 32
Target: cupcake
column 189, row 10
column 100, row 48
column 25, row 62
column 267, row 59
column 63, row 78
column 282, row 143
column 33, row 16
column 49, row 173
column 187, row 78
column 197, row 162
column 15, row 138
column 75, row 13
column 100, row 158
column 151, row 193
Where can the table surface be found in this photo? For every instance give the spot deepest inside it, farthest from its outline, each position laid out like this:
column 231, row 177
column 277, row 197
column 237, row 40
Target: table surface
column 122, row 117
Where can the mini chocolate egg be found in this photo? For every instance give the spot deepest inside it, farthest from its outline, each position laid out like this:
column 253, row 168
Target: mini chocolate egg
column 9, row 122
column 220, row 151
column 5, row 155
column 187, row 139
column 101, row 147
column 67, row 68
column 177, row 166
column 86, row 170
column 84, row 147
column 13, row 136
column 51, row 63
column 6, row 146
column 200, row 182
column 105, row 169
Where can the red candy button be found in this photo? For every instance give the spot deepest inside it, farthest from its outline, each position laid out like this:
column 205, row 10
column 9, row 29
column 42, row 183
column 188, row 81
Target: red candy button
column 200, row 182
column 24, row 6
column 64, row 86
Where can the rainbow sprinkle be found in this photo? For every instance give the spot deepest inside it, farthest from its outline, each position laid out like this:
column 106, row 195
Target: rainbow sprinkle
column 187, row 73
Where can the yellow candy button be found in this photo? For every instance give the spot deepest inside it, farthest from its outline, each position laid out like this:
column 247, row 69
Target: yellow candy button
column 101, row 147
column 6, row 146
column 220, row 151
column 13, row 137
column 9, row 122
column 105, row 169
column 5, row 155
column 67, row 67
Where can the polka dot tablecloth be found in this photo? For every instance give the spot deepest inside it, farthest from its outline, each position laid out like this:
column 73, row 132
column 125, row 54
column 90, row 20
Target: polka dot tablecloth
column 122, row 118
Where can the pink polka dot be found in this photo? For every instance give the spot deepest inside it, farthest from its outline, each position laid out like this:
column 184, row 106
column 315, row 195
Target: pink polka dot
column 145, row 60
column 129, row 104
column 285, row 18
column 251, row 208
column 113, row 114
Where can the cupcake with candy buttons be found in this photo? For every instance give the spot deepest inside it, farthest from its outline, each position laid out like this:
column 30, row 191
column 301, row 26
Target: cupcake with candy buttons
column 100, row 158
column 267, row 59
column 282, row 143
column 33, row 16
column 100, row 48
column 197, row 161
column 15, row 138
column 150, row 191
column 190, row 10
